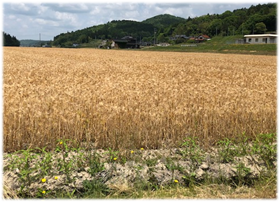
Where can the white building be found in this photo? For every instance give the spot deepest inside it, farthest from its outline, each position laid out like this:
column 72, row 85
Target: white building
column 260, row 38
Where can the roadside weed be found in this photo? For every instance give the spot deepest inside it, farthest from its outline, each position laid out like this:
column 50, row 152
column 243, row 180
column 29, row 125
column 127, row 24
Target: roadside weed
column 227, row 150
column 242, row 174
column 94, row 162
column 192, row 151
column 265, row 146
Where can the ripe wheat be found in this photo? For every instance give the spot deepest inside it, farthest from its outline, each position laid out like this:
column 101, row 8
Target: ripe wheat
column 133, row 99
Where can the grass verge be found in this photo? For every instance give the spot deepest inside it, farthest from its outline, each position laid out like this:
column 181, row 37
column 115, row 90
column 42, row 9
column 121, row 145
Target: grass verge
column 40, row 175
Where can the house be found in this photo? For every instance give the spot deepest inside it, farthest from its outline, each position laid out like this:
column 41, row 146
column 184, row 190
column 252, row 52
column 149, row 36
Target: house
column 177, row 37
column 202, row 38
column 145, row 43
column 46, row 46
column 113, row 44
column 163, row 44
column 126, row 42
column 260, row 38
column 103, row 44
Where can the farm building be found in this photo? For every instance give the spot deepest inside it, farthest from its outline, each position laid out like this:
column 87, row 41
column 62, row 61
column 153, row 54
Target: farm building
column 260, row 38
column 126, row 42
column 176, row 37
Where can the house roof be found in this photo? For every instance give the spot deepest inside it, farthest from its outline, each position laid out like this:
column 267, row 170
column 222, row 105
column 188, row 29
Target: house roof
column 127, row 37
column 120, row 40
column 260, row 35
column 206, row 36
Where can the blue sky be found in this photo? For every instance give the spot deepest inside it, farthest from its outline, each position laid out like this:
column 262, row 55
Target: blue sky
column 29, row 20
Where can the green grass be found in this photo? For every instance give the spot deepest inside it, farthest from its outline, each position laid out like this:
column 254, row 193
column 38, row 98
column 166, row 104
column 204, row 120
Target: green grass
column 221, row 45
column 93, row 44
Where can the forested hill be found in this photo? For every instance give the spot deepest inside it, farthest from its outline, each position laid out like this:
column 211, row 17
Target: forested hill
column 161, row 21
column 118, row 29
column 253, row 20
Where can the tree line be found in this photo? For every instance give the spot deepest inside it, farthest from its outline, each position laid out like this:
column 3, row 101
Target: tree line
column 254, row 20
column 9, row 40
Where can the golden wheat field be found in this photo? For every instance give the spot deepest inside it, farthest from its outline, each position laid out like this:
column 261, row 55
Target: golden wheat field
column 130, row 99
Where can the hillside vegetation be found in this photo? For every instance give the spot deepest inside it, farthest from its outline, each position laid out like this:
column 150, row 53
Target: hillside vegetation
column 9, row 40
column 256, row 19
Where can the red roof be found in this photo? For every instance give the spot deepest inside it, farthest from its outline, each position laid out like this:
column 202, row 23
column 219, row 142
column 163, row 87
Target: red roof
column 206, row 36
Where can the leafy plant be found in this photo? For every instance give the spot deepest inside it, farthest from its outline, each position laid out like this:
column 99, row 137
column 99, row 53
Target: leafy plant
column 189, row 179
column 242, row 174
column 22, row 162
column 265, row 146
column 192, row 151
column 151, row 162
column 42, row 193
column 172, row 166
column 113, row 155
column 95, row 163
column 65, row 164
column 95, row 189
column 227, row 150
column 45, row 163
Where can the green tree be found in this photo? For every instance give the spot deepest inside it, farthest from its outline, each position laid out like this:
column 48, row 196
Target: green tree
column 226, row 14
column 83, row 39
column 260, row 28
column 215, row 27
column 161, row 38
column 9, row 40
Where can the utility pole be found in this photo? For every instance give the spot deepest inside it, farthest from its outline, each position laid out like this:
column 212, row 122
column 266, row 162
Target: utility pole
column 154, row 36
column 40, row 40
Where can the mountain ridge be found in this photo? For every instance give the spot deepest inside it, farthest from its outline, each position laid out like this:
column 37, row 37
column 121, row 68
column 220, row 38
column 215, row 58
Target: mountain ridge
column 161, row 28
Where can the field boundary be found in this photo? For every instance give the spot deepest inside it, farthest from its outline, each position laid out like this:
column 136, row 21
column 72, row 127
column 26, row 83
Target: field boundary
column 73, row 170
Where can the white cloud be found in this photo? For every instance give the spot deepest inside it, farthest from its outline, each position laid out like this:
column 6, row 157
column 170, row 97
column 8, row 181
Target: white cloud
column 41, row 21
column 65, row 17
column 132, row 14
column 96, row 10
column 69, row 8
column 20, row 7
column 12, row 17
column 42, row 9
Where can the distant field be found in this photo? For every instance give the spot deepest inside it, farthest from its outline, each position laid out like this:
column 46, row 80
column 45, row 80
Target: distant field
column 222, row 45
column 251, row 49
column 132, row 99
